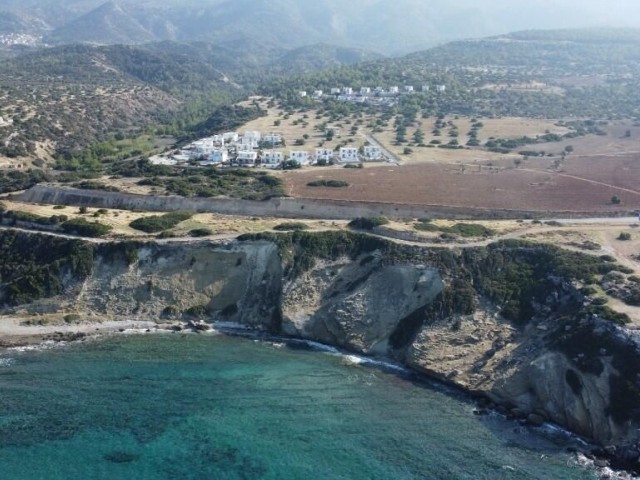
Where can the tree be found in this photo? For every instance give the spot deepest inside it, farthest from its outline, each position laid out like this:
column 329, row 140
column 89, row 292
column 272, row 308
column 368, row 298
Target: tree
column 568, row 149
column 616, row 200
column 407, row 151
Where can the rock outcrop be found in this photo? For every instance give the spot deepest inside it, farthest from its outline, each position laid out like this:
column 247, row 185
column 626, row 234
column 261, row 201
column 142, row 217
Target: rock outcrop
column 357, row 305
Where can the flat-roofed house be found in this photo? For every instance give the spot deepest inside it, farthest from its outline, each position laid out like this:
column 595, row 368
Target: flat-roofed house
column 349, row 155
column 272, row 159
column 247, row 158
column 372, row 153
column 299, row 156
column 324, row 154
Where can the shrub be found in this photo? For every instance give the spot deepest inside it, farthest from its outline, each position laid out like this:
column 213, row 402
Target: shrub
column 368, row 223
column 200, row 232
column 159, row 223
column 93, row 185
column 599, row 301
column 291, row 227
column 460, row 229
column 328, row 183
column 197, row 311
column 84, row 228
column 624, row 236
column 72, row 318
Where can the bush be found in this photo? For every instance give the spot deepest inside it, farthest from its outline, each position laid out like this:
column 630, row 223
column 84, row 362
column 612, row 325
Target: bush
column 200, row 232
column 72, row 318
column 156, row 223
column 291, row 227
column 19, row 216
column 470, row 230
column 328, row 183
column 93, row 185
column 197, row 311
column 368, row 223
column 624, row 236
column 599, row 301
column 460, row 229
column 84, row 228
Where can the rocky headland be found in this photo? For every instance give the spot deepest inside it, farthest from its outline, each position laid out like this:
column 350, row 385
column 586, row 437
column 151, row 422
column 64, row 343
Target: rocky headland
column 521, row 325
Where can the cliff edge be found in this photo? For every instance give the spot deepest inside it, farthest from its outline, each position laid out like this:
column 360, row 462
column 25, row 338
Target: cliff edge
column 522, row 324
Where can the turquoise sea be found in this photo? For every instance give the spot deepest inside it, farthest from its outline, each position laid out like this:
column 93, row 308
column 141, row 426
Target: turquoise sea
column 174, row 406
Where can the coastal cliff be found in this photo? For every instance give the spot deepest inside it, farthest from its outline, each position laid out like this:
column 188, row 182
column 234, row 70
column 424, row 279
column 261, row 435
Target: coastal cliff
column 518, row 323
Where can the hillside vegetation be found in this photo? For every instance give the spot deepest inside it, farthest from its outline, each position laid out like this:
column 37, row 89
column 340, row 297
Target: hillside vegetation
column 550, row 74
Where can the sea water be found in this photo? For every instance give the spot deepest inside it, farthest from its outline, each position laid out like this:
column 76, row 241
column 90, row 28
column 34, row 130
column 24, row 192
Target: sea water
column 151, row 407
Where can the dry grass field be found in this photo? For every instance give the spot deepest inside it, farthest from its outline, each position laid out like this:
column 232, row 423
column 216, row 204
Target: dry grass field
column 583, row 185
column 297, row 125
column 120, row 220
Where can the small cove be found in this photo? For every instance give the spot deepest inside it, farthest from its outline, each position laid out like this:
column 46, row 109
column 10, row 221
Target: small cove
column 203, row 406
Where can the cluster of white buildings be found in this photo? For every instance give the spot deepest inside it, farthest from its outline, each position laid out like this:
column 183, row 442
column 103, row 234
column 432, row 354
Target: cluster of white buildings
column 371, row 95
column 253, row 149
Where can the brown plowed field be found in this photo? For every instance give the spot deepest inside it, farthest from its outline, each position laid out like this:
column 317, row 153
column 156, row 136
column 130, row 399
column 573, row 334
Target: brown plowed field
column 583, row 184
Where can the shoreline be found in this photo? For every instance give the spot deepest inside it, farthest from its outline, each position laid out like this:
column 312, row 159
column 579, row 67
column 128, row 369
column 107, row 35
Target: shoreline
column 14, row 332
column 14, row 335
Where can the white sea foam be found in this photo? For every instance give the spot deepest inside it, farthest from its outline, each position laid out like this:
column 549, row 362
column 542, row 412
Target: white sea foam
column 48, row 345
column 7, row 362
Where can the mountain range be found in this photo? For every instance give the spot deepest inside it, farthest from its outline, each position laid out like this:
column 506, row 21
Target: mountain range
column 389, row 28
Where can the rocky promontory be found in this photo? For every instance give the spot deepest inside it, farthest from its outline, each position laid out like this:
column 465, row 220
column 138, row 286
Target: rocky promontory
column 520, row 324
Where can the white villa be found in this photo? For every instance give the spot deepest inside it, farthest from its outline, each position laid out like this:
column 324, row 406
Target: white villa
column 335, row 91
column 372, row 153
column 250, row 140
column 325, row 154
column 230, row 137
column 318, row 94
column 365, row 91
column 272, row 159
column 441, row 88
column 247, row 159
column 394, row 90
column 299, row 156
column 217, row 156
column 347, row 91
column 425, row 88
column 252, row 135
column 302, row 93
column 348, row 155
column 202, row 148
column 272, row 139
column 408, row 88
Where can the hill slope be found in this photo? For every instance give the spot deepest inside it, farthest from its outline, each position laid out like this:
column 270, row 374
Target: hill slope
column 405, row 25
column 107, row 24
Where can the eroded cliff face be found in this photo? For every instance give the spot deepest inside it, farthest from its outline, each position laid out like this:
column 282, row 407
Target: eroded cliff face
column 357, row 304
column 231, row 282
column 582, row 375
column 538, row 349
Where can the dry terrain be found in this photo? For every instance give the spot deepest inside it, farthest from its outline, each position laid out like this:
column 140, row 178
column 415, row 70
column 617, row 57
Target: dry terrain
column 583, row 185
column 220, row 225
